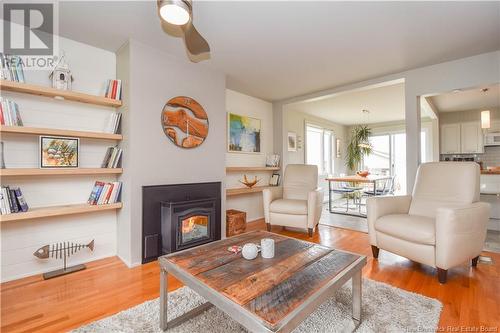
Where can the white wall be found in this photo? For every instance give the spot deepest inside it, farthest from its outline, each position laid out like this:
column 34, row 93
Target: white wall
column 91, row 68
column 295, row 121
column 242, row 104
column 152, row 78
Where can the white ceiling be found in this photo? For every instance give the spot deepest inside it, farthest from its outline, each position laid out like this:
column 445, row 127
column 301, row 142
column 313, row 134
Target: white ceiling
column 275, row 50
column 385, row 104
column 468, row 100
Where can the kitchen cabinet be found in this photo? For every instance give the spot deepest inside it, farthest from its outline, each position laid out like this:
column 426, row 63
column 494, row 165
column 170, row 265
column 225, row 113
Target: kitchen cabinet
column 450, row 139
column 462, row 138
column 471, row 138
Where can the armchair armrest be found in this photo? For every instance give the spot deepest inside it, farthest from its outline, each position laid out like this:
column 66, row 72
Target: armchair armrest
column 376, row 207
column 268, row 196
column 460, row 233
column 314, row 207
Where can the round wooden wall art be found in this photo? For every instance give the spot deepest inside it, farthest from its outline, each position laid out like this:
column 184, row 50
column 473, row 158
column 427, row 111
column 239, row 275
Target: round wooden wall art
column 185, row 122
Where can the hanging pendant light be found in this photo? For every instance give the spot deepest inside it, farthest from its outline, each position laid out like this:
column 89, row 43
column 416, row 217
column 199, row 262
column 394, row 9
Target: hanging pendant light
column 485, row 119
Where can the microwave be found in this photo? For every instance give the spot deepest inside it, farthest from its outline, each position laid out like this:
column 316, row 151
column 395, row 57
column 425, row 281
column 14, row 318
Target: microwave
column 492, row 139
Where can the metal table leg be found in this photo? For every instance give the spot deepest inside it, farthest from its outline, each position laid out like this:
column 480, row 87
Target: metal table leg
column 164, row 323
column 330, row 196
column 356, row 297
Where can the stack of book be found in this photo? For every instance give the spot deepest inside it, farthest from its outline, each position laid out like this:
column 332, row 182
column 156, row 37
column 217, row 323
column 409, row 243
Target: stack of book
column 9, row 113
column 114, row 89
column 112, row 157
column 12, row 200
column 113, row 123
column 12, row 68
column 105, row 193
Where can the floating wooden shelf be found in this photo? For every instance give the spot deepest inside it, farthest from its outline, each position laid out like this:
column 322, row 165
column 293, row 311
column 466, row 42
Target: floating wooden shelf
column 56, row 172
column 33, row 89
column 239, row 169
column 59, row 132
column 245, row 190
column 41, row 212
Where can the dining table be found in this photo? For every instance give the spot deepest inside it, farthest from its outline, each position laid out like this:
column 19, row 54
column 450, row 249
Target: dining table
column 356, row 179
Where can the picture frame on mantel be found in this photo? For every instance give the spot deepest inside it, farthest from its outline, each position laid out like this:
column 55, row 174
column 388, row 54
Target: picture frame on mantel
column 244, row 134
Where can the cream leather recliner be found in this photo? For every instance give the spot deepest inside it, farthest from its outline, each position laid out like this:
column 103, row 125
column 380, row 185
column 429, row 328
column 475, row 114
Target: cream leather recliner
column 298, row 203
column 442, row 224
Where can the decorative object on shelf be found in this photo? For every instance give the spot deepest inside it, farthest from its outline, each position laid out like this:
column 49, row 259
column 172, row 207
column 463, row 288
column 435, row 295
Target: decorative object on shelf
column 364, row 173
column 292, row 141
column 274, row 180
column 338, row 148
column 2, row 157
column 267, row 248
column 250, row 251
column 243, row 134
column 185, row 122
column 176, row 18
column 236, row 222
column 249, row 183
column 9, row 113
column 59, row 152
column 273, row 160
column 61, row 75
column 358, row 146
column 12, row 68
column 62, row 250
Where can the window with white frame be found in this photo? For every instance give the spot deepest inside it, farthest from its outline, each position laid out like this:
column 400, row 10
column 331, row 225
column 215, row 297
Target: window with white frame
column 319, row 148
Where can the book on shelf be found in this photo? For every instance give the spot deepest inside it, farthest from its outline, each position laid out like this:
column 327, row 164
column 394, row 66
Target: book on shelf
column 12, row 68
column 12, row 200
column 114, row 89
column 9, row 113
column 113, row 125
column 273, row 160
column 112, row 157
column 104, row 193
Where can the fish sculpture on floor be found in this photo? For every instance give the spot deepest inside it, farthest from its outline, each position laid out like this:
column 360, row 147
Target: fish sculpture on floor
column 62, row 250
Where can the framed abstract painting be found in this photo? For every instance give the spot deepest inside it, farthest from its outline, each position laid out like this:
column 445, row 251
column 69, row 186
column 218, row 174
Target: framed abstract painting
column 59, row 152
column 244, row 134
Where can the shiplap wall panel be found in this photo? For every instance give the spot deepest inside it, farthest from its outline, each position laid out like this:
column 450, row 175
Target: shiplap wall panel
column 91, row 68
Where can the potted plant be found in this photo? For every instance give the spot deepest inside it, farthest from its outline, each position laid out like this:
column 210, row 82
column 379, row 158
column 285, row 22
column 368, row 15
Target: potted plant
column 358, row 147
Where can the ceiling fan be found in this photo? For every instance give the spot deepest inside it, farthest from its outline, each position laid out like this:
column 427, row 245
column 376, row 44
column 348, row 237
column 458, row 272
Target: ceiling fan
column 177, row 20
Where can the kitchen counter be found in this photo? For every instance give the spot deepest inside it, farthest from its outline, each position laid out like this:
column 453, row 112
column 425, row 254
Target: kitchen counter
column 490, row 172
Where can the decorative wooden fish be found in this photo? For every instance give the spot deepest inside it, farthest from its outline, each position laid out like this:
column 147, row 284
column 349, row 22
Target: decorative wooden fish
column 62, row 250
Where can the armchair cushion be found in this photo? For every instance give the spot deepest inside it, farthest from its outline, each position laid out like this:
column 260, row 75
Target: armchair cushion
column 289, row 206
column 412, row 228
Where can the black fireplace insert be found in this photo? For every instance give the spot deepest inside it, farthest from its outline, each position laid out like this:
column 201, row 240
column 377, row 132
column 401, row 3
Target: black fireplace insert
column 180, row 216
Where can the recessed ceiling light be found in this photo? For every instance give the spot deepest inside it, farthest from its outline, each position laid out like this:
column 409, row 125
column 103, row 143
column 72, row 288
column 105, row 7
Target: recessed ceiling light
column 457, row 90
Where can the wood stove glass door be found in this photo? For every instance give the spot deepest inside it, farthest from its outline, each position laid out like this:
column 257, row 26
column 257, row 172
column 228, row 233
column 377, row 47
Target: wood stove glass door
column 193, row 228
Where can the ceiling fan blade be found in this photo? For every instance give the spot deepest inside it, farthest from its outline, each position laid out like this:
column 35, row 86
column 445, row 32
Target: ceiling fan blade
column 196, row 45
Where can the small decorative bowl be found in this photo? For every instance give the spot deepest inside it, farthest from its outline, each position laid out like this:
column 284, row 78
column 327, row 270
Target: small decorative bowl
column 363, row 173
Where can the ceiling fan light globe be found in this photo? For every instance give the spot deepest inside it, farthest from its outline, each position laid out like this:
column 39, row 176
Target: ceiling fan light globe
column 174, row 13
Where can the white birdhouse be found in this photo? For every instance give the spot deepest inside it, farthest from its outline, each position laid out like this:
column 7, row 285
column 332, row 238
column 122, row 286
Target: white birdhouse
column 61, row 75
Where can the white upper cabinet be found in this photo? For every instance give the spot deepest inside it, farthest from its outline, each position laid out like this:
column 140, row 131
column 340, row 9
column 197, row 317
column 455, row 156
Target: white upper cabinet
column 450, row 139
column 471, row 138
column 462, row 138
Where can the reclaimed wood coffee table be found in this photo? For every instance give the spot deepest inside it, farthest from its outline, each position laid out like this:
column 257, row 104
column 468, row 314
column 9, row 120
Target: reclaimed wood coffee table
column 263, row 295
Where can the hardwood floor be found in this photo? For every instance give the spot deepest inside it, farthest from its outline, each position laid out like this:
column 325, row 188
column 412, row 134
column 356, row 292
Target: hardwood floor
column 471, row 298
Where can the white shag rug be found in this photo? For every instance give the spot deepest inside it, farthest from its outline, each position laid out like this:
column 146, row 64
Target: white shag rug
column 385, row 309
